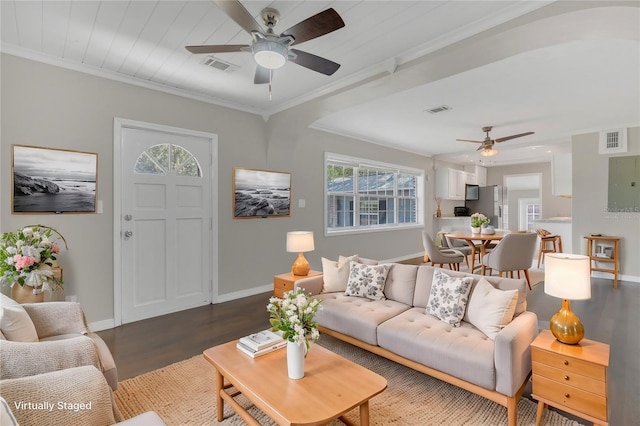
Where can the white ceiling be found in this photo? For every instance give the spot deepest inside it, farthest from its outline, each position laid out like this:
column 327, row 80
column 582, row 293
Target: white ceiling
column 583, row 85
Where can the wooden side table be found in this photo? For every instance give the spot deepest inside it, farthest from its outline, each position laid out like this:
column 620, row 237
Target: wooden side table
column 285, row 282
column 572, row 378
column 609, row 253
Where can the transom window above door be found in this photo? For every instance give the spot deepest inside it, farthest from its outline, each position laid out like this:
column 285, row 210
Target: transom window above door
column 165, row 159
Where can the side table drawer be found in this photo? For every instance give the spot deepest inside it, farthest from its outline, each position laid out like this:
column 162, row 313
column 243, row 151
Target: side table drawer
column 280, row 286
column 582, row 401
column 571, row 379
column 567, row 363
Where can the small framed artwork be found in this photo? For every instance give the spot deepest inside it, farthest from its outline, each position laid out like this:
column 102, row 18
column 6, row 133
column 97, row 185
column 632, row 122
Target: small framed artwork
column 261, row 193
column 49, row 180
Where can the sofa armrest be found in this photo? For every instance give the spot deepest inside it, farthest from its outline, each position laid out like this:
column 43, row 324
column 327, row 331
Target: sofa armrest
column 20, row 359
column 55, row 318
column 512, row 354
column 311, row 285
column 83, row 388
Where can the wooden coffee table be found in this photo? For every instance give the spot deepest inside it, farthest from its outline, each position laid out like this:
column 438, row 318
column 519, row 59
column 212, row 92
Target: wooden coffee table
column 331, row 386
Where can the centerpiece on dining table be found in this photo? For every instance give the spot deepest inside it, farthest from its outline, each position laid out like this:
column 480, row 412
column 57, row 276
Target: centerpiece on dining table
column 293, row 315
column 478, row 220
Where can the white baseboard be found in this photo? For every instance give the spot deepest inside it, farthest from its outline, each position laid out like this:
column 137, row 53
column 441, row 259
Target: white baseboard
column 102, row 325
column 401, row 258
column 622, row 277
column 244, row 293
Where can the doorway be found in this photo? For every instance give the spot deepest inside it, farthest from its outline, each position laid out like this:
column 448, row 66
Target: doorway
column 165, row 222
column 522, row 200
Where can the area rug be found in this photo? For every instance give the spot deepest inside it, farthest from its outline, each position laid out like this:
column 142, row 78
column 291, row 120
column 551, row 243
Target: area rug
column 184, row 394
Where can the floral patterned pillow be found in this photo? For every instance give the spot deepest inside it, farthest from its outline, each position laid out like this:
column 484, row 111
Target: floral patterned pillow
column 448, row 297
column 366, row 280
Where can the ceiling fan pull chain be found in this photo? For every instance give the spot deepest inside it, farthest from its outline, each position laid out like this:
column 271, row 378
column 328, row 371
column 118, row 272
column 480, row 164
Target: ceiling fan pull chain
column 270, row 76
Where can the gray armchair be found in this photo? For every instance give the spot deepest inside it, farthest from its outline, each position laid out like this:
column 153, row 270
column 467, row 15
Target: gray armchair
column 63, row 340
column 513, row 253
column 440, row 257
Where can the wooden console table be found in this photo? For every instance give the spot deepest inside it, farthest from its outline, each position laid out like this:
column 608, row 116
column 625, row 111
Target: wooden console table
column 609, row 253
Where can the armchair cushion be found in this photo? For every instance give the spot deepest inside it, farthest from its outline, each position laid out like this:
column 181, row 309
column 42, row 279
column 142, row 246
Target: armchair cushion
column 55, row 318
column 16, row 324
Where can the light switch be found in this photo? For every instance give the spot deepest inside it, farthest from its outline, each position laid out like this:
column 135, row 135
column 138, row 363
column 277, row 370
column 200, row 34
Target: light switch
column 301, row 203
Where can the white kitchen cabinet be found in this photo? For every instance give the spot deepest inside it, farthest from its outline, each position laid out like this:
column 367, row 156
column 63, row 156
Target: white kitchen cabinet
column 561, row 174
column 479, row 175
column 450, row 184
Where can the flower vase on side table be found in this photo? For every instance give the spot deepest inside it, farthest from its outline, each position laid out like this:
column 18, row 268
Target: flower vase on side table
column 24, row 294
column 296, row 353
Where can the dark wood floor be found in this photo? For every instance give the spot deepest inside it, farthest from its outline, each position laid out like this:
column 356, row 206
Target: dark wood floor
column 610, row 316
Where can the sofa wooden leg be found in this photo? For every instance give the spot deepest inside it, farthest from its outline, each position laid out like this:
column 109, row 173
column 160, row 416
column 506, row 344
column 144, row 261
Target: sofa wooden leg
column 512, row 411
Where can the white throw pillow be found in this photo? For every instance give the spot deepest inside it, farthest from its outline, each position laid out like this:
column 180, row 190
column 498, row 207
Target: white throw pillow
column 336, row 274
column 367, row 280
column 491, row 309
column 16, row 324
column 448, row 297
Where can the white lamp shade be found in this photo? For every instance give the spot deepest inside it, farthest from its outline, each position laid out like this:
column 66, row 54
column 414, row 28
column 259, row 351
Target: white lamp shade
column 567, row 276
column 299, row 241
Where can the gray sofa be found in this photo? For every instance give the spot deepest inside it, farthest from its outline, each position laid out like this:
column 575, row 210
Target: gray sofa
column 399, row 328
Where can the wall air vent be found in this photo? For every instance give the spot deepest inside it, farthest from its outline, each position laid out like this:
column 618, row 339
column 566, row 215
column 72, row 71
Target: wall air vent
column 612, row 141
column 213, row 62
column 438, row 109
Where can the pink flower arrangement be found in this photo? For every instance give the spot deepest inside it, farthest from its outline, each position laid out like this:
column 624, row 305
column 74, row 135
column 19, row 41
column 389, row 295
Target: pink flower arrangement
column 26, row 257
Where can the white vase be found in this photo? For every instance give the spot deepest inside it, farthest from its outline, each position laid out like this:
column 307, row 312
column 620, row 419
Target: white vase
column 295, row 359
column 475, row 230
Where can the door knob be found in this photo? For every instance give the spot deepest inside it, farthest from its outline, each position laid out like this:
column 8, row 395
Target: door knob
column 128, row 234
column 128, row 217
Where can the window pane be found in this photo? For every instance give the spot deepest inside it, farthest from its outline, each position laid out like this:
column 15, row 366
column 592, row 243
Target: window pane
column 160, row 153
column 340, row 211
column 190, row 168
column 339, row 178
column 179, row 156
column 145, row 166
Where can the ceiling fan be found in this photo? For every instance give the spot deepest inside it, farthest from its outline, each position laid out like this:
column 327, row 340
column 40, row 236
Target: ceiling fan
column 270, row 50
column 487, row 144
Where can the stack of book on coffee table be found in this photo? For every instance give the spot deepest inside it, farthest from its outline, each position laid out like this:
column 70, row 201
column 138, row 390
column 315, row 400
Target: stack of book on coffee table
column 261, row 343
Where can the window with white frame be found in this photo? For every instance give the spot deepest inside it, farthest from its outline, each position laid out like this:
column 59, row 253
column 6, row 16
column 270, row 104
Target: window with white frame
column 364, row 195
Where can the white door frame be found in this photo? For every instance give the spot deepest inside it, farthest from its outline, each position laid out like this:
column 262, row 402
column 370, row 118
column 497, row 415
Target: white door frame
column 118, row 125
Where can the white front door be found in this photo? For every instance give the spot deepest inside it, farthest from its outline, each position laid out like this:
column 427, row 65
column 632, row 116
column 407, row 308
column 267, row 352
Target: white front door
column 165, row 222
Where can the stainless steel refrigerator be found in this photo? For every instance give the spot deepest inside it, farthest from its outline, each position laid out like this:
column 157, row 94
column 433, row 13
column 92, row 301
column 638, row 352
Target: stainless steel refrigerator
column 490, row 203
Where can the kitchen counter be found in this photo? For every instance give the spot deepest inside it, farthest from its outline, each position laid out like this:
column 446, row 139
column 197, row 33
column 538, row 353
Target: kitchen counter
column 559, row 219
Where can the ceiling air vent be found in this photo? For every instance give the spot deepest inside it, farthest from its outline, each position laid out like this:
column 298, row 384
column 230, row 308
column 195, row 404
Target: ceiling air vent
column 613, row 141
column 213, row 62
column 438, row 109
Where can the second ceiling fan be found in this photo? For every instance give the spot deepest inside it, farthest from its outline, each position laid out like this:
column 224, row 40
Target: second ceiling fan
column 486, row 146
column 270, row 50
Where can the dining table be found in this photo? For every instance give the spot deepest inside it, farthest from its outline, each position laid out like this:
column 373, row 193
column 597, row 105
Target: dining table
column 471, row 238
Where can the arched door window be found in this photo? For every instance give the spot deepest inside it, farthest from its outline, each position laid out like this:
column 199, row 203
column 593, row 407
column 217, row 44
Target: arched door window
column 165, row 159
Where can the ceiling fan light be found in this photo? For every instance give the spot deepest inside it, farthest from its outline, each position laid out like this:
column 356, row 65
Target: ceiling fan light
column 488, row 152
column 270, row 54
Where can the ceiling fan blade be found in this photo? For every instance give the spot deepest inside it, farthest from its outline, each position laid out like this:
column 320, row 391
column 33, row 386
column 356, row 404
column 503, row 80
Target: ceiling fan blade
column 315, row 26
column 240, row 15
column 218, row 48
column 261, row 76
column 313, row 62
column 469, row 140
column 519, row 135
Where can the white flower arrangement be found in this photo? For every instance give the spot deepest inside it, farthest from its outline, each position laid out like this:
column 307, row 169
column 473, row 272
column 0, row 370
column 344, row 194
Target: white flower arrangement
column 294, row 316
column 478, row 219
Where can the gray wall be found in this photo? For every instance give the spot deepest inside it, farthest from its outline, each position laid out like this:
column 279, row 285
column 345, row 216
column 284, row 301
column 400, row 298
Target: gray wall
column 43, row 105
column 590, row 176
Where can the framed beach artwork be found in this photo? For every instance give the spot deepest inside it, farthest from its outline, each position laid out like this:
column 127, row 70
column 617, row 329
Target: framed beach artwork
column 260, row 193
column 49, row 180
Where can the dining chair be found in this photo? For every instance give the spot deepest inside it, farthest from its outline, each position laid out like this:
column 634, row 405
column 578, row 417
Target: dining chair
column 549, row 243
column 513, row 253
column 441, row 257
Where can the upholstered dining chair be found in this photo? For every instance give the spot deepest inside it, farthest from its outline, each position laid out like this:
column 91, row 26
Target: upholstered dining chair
column 513, row 253
column 440, row 257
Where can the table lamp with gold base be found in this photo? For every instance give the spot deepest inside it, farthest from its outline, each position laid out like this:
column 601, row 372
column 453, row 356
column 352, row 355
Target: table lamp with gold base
column 300, row 242
column 567, row 276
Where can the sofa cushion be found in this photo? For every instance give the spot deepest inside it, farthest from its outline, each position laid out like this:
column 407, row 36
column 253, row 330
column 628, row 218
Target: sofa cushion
column 15, row 323
column 357, row 317
column 336, row 274
column 463, row 352
column 490, row 309
column 401, row 283
column 367, row 280
column 448, row 297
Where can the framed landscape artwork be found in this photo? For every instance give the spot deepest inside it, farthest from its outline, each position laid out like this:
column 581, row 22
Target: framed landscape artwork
column 261, row 193
column 48, row 180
